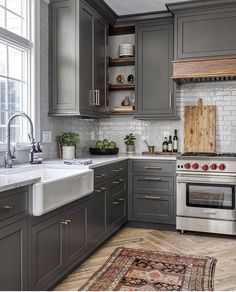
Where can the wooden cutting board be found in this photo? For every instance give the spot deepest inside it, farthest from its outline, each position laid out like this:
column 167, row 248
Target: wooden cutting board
column 200, row 128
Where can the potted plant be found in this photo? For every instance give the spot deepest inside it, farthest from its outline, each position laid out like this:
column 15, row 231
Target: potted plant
column 67, row 144
column 129, row 141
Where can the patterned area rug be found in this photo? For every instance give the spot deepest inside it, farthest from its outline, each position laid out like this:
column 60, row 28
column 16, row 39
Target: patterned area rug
column 140, row 270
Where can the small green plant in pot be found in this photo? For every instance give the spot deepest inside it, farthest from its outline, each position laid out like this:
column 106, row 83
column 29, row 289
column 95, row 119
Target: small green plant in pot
column 67, row 145
column 129, row 141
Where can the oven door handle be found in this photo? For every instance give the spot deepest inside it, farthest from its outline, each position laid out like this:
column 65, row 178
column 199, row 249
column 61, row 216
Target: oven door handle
column 199, row 181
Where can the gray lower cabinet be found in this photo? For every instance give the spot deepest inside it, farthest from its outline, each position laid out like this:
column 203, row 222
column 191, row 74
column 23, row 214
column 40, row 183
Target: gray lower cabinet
column 78, row 60
column 57, row 243
column 152, row 192
column 155, row 93
column 13, row 255
column 13, row 240
column 205, row 29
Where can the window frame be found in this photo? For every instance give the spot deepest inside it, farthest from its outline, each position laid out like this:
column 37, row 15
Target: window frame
column 32, row 44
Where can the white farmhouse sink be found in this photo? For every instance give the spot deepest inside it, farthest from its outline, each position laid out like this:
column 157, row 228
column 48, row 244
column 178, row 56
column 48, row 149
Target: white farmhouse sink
column 55, row 185
column 59, row 187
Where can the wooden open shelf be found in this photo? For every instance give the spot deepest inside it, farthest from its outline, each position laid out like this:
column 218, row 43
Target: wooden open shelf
column 122, row 113
column 126, row 61
column 116, row 87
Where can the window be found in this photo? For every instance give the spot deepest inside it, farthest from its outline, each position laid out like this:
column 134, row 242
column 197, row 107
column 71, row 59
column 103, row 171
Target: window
column 15, row 67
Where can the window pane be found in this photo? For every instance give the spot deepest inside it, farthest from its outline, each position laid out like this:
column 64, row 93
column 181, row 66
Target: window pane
column 3, row 94
column 2, row 134
column 14, row 23
column 2, row 2
column 14, row 95
column 3, row 59
column 15, row 6
column 2, row 17
column 15, row 63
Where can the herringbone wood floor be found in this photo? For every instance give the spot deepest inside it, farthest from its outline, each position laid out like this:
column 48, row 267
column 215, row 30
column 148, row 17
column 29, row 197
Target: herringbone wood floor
column 221, row 247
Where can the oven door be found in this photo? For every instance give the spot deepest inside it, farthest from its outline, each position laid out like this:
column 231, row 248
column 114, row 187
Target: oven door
column 206, row 197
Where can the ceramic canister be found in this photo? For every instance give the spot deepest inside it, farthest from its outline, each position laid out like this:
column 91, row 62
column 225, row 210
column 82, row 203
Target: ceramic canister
column 126, row 50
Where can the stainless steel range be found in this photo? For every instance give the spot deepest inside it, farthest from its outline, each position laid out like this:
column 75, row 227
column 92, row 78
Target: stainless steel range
column 206, row 192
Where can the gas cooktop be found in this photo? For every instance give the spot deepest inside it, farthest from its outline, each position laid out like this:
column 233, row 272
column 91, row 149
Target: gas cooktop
column 207, row 154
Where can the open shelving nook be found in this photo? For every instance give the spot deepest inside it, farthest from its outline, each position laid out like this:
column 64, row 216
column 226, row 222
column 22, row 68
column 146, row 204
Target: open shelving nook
column 120, row 66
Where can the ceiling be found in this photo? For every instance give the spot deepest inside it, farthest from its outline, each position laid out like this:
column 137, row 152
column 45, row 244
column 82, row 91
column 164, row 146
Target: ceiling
column 125, row 7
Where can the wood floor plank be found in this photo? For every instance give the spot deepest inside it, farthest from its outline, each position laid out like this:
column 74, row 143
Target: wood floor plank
column 220, row 247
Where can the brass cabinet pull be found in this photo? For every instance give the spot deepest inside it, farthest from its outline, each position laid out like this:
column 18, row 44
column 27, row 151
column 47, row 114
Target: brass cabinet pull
column 7, row 207
column 100, row 175
column 98, row 97
column 66, row 222
column 170, row 100
column 102, row 189
column 118, row 170
column 152, row 179
column 116, row 203
column 152, row 198
column 153, row 167
column 116, row 182
column 121, row 180
column 121, row 200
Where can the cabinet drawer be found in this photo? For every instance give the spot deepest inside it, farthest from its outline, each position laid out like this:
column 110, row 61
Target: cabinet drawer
column 154, row 167
column 118, row 168
column 13, row 203
column 153, row 184
column 153, row 208
column 100, row 174
column 118, row 185
column 118, row 209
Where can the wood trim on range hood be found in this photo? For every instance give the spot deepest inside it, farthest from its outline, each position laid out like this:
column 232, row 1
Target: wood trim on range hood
column 204, row 70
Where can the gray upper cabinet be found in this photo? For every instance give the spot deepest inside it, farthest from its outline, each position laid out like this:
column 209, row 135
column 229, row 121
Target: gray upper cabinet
column 206, row 29
column 78, row 61
column 155, row 94
column 93, row 59
column 63, row 58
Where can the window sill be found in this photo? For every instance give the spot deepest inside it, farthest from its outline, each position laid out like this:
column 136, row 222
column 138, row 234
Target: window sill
column 18, row 147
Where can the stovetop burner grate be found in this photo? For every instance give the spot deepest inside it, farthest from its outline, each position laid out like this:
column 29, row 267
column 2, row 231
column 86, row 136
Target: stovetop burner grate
column 208, row 154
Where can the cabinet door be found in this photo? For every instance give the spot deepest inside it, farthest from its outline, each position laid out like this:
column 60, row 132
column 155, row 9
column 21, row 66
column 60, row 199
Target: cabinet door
column 76, row 241
column 118, row 209
column 13, row 255
column 153, row 208
column 99, row 215
column 100, row 61
column 155, row 88
column 63, row 56
column 87, row 98
column 47, row 251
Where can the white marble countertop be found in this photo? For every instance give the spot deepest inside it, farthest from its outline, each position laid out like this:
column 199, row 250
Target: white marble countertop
column 21, row 175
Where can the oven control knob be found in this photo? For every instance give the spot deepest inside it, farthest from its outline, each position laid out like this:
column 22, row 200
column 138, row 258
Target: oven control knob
column 195, row 166
column 213, row 166
column 187, row 165
column 205, row 167
column 222, row 166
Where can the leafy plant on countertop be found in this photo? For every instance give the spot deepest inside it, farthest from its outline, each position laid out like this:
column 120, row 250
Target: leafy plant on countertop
column 68, row 139
column 129, row 139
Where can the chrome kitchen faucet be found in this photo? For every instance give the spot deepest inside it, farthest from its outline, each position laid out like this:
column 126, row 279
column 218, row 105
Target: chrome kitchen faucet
column 10, row 157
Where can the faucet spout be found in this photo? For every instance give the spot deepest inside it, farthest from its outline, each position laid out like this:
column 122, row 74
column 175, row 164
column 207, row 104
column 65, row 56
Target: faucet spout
column 9, row 156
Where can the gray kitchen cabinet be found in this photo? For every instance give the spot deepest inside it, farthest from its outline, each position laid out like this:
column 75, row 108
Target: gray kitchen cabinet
column 58, row 242
column 46, row 251
column 78, row 62
column 93, row 59
column 155, row 93
column 205, row 29
column 152, row 192
column 13, row 240
column 13, row 255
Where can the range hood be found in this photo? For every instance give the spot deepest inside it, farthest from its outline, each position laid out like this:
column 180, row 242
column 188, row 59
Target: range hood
column 204, row 70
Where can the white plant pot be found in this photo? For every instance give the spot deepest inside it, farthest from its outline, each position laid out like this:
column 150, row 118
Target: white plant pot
column 68, row 152
column 130, row 149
